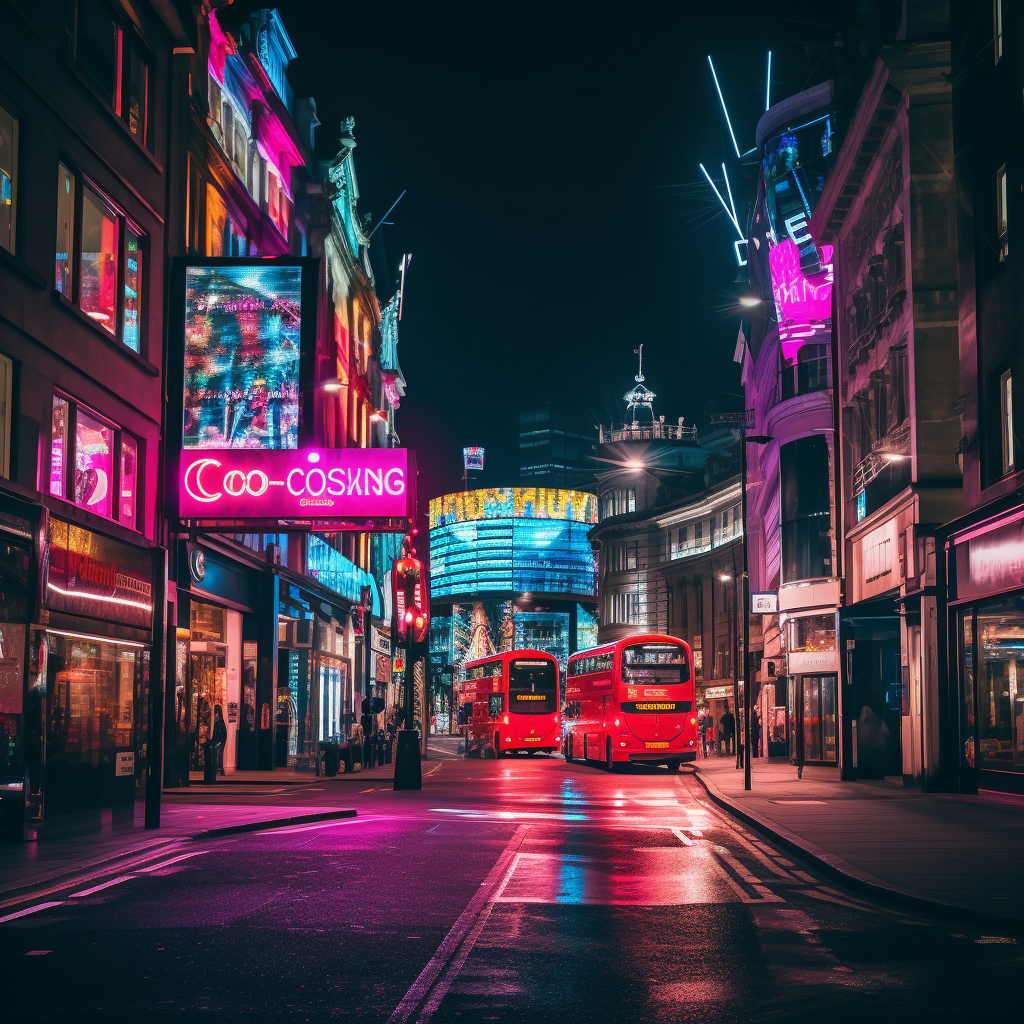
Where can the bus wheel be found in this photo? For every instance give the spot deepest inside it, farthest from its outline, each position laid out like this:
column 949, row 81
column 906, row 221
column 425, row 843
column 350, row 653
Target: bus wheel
column 489, row 752
column 674, row 766
column 609, row 761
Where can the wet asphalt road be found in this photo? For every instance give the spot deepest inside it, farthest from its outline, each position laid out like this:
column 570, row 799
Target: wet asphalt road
column 509, row 890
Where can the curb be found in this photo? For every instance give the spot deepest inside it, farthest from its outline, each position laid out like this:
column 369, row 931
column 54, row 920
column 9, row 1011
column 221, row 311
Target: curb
column 259, row 826
column 841, row 870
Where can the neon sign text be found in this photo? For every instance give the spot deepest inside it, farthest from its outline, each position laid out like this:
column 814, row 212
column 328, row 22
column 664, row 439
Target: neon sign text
column 244, row 483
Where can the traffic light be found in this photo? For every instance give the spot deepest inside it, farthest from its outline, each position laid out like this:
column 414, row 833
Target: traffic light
column 412, row 600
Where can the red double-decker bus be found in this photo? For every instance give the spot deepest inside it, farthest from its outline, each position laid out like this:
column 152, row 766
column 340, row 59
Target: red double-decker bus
column 514, row 701
column 632, row 702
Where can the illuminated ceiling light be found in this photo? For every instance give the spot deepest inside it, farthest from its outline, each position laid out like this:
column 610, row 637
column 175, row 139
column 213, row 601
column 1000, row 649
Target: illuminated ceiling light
column 725, row 110
column 725, row 577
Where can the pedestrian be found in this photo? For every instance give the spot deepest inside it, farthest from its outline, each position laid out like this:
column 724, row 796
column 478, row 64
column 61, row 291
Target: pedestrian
column 721, row 738
column 220, row 737
column 709, row 735
column 755, row 735
column 729, row 731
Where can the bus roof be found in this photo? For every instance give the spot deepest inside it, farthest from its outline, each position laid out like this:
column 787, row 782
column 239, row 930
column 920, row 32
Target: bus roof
column 523, row 652
column 628, row 641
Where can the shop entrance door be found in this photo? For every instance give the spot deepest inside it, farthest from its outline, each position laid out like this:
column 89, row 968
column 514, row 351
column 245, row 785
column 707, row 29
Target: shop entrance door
column 206, row 671
column 814, row 720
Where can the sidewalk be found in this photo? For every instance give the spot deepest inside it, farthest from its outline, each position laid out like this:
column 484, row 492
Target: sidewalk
column 956, row 851
column 28, row 864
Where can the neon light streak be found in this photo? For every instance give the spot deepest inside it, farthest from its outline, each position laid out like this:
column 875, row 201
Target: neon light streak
column 725, row 111
column 728, row 189
column 728, row 211
column 768, row 87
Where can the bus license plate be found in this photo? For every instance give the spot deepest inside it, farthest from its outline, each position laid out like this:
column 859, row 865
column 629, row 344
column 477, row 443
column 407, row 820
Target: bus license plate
column 656, row 746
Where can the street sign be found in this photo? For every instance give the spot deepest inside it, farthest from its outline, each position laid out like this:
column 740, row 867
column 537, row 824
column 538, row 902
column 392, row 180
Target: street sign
column 764, row 603
column 734, row 419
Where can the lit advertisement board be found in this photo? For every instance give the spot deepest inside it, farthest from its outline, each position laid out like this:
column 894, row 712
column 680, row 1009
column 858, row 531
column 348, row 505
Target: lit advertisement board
column 803, row 301
column 312, row 482
column 796, row 163
column 473, row 459
column 511, row 555
column 513, row 502
column 242, row 345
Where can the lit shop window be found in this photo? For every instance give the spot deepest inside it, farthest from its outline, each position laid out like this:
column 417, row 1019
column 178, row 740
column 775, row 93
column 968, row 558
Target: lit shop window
column 1006, row 420
column 8, row 178
column 93, row 464
column 104, row 278
column 278, row 205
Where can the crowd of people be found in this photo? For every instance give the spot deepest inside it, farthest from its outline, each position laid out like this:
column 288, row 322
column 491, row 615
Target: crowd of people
column 720, row 738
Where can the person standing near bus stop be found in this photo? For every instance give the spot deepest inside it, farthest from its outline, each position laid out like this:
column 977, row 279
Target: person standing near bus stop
column 729, row 731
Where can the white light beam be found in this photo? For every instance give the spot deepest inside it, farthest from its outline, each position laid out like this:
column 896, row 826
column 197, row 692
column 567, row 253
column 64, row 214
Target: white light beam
column 728, row 212
column 768, row 88
column 725, row 111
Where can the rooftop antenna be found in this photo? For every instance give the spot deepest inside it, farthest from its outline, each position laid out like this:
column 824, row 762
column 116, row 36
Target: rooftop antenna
column 725, row 110
column 639, row 378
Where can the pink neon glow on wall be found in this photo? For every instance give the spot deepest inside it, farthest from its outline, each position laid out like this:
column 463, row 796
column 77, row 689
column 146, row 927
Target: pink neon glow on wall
column 803, row 301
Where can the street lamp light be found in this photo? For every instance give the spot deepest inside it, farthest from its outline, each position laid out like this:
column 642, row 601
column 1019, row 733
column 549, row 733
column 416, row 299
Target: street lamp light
column 750, row 300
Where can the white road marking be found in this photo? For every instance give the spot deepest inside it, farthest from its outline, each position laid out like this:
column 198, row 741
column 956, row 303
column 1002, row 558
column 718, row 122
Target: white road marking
column 31, row 910
column 102, row 885
column 173, row 860
column 682, row 837
column 459, row 941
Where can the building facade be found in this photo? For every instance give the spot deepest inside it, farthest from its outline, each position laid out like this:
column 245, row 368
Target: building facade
column 509, row 568
column 84, row 146
column 983, row 551
column 887, row 211
column 785, row 351
column 557, row 448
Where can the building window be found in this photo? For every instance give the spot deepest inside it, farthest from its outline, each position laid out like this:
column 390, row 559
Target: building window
column 93, row 463
column 806, row 509
column 1001, row 213
column 8, row 178
column 108, row 282
column 997, row 29
column 112, row 62
column 1006, row 420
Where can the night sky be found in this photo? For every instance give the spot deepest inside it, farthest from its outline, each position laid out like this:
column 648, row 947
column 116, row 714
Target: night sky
column 555, row 211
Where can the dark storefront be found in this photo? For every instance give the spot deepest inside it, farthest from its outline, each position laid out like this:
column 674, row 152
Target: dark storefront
column 76, row 623
column 986, row 592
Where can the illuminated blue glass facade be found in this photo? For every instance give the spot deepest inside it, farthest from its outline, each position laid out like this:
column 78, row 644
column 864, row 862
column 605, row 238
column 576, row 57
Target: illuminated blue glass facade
column 537, row 556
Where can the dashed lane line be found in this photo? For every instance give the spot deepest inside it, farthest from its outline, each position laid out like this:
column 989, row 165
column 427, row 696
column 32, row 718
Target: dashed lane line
column 31, row 910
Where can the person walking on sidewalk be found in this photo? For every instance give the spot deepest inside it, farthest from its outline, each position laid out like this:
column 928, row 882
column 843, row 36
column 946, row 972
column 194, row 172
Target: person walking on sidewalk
column 729, row 731
column 220, row 737
column 755, row 735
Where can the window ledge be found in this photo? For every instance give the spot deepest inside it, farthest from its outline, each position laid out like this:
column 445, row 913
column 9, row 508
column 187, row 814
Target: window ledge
column 72, row 310
column 108, row 110
column 18, row 266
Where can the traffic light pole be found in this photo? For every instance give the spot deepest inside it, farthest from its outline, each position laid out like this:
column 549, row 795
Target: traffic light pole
column 408, row 770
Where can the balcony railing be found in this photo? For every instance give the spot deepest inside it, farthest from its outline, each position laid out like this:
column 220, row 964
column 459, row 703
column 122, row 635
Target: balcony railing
column 648, row 432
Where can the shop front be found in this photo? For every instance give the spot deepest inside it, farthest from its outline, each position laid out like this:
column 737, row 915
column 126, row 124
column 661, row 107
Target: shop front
column 89, row 664
column 986, row 598
column 215, row 667
column 811, row 688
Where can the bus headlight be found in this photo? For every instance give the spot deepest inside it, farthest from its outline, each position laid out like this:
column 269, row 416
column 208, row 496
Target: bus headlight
column 506, row 720
column 691, row 743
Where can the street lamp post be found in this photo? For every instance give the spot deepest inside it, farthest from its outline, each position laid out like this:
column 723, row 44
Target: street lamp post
column 747, row 687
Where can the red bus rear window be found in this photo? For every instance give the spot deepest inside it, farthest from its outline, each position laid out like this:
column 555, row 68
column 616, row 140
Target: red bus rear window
column 532, row 686
column 655, row 665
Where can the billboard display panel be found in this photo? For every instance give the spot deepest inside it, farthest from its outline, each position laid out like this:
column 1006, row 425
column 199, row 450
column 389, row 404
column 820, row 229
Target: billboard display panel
column 513, row 502
column 242, row 352
column 473, row 459
column 511, row 555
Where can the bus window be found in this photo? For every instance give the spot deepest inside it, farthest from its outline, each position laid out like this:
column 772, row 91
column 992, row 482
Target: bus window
column 495, row 704
column 655, row 665
column 533, row 687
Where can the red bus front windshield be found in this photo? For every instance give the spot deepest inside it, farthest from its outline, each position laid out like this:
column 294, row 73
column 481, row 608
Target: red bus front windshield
column 655, row 665
column 532, row 686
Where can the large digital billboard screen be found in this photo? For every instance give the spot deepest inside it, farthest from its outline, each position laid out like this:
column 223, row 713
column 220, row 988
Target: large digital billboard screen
column 242, row 355
column 511, row 555
column 513, row 502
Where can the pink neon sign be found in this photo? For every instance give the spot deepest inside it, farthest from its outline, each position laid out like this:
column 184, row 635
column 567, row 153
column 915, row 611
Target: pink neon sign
column 797, row 295
column 325, row 483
